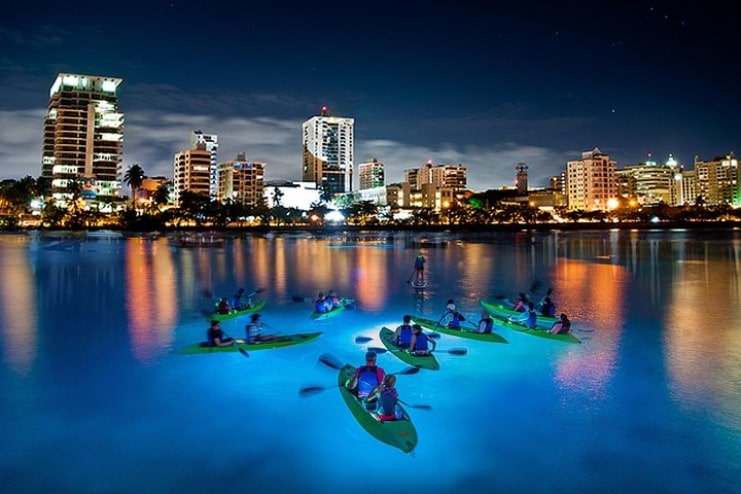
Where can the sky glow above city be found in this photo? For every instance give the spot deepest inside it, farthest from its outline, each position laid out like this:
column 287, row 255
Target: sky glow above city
column 487, row 86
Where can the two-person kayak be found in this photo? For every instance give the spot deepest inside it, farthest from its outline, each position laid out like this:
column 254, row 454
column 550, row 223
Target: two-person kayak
column 388, row 339
column 398, row 433
column 280, row 341
column 463, row 333
column 542, row 326
column 235, row 313
column 344, row 304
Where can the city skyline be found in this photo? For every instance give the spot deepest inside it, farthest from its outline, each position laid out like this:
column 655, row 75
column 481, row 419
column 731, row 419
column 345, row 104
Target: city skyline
column 485, row 87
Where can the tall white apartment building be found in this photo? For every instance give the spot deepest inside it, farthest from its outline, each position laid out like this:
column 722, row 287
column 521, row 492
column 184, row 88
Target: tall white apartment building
column 83, row 137
column 591, row 182
column 328, row 152
column 211, row 141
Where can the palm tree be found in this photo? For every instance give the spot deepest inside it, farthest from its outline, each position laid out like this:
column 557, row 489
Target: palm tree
column 134, row 177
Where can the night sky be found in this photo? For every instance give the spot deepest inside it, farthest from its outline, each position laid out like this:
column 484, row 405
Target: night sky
column 451, row 82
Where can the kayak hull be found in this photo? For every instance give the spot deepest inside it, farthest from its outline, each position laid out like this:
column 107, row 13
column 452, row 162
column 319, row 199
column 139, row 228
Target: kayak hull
column 422, row 361
column 280, row 342
column 400, row 433
column 237, row 313
column 461, row 333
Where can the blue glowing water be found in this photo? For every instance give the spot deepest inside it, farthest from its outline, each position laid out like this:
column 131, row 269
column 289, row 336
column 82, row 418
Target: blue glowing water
column 96, row 399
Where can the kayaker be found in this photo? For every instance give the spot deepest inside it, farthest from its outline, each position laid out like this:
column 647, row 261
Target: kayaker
column 403, row 333
column 387, row 396
column 321, row 303
column 547, row 307
column 215, row 336
column 486, row 323
column 420, row 344
column 223, row 307
column 333, row 301
column 521, row 302
column 452, row 316
column 562, row 326
column 254, row 333
column 419, row 268
column 529, row 318
column 237, row 302
column 366, row 378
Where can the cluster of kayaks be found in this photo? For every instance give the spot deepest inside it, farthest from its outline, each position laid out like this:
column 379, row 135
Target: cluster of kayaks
column 235, row 313
column 399, row 433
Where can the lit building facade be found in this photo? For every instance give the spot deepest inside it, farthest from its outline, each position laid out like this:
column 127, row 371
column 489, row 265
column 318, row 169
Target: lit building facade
column 718, row 181
column 212, row 146
column 83, row 137
column 649, row 183
column 591, row 182
column 521, row 179
column 328, row 152
column 241, row 181
column 192, row 172
column 451, row 176
column 371, row 174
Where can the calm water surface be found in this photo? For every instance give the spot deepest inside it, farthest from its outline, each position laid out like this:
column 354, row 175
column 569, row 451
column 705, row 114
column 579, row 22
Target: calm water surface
column 96, row 399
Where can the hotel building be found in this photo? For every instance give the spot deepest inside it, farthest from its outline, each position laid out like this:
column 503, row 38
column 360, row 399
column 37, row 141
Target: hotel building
column 371, row 174
column 241, row 181
column 192, row 172
column 212, row 145
column 591, row 182
column 83, row 137
column 328, row 152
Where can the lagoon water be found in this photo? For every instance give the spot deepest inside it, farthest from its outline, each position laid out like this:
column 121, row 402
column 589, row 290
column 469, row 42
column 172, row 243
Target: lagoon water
column 96, row 399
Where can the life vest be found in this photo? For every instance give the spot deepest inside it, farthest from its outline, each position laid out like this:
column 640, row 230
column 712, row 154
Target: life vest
column 368, row 378
column 320, row 306
column 488, row 325
column 455, row 323
column 405, row 336
column 532, row 318
column 388, row 403
column 422, row 342
column 253, row 332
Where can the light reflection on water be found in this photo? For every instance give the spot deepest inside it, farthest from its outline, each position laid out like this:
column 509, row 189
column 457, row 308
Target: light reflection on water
column 658, row 313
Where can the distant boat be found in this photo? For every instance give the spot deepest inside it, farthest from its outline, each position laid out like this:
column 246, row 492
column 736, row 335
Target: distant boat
column 201, row 240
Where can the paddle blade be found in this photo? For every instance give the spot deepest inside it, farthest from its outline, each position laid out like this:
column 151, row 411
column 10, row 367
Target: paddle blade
column 534, row 286
column 548, row 293
column 363, row 339
column 421, row 407
column 434, row 335
column 242, row 350
column 330, row 360
column 377, row 349
column 310, row 391
column 458, row 351
column 407, row 371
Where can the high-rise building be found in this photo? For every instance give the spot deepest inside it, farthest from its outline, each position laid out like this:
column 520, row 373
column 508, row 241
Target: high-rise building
column 648, row 183
column 591, row 182
column 83, row 137
column 241, row 181
column 212, row 145
column 451, row 176
column 328, row 152
column 192, row 172
column 371, row 174
column 718, row 181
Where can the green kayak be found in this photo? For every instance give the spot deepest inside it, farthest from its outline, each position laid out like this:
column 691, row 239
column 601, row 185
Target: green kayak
column 233, row 314
column 542, row 326
column 503, row 311
column 397, row 433
column 463, row 333
column 280, row 342
column 344, row 304
column 422, row 361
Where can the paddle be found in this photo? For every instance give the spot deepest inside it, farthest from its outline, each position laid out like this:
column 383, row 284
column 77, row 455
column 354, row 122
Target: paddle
column 452, row 351
column 412, row 275
column 363, row 339
column 409, row 405
column 234, row 342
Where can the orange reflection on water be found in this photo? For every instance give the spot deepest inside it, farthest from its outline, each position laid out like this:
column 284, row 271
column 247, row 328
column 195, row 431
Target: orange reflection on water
column 702, row 321
column 151, row 302
column 371, row 278
column 594, row 294
column 18, row 322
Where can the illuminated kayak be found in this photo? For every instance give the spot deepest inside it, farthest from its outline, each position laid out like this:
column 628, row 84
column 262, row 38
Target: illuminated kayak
column 397, row 433
column 540, row 331
column 423, row 361
column 503, row 310
column 233, row 314
column 463, row 332
column 281, row 341
column 344, row 304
